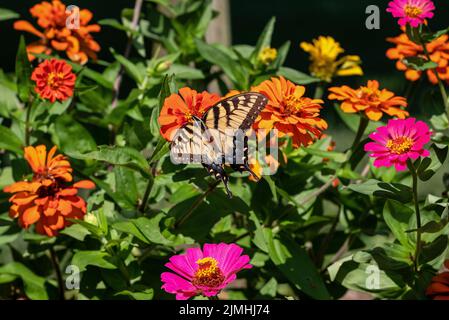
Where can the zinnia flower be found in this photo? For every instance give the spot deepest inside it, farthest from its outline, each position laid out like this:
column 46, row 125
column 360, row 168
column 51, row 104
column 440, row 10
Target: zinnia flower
column 268, row 55
column 78, row 43
column 54, row 80
column 439, row 287
column 290, row 112
column 397, row 142
column 413, row 12
column 204, row 272
column 178, row 109
column 47, row 200
column 438, row 50
column 370, row 100
column 326, row 64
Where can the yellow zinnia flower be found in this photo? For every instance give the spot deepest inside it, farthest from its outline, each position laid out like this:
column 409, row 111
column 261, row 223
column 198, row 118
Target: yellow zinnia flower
column 324, row 53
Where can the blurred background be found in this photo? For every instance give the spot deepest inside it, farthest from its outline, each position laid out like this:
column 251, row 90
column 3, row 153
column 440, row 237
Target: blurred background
column 241, row 22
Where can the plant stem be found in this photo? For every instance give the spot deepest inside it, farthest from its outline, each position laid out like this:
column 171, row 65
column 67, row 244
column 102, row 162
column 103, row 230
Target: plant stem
column 146, row 195
column 196, row 204
column 440, row 82
column 319, row 91
column 118, row 81
column 417, row 212
column 55, row 262
column 27, row 124
column 360, row 132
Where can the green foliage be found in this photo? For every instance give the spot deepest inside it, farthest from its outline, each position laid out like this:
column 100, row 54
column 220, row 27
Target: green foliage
column 326, row 222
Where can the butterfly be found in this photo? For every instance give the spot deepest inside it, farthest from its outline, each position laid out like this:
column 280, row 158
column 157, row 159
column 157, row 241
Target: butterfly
column 219, row 137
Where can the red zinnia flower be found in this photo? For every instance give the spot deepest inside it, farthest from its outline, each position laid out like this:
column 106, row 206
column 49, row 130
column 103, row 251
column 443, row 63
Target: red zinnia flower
column 54, row 80
column 439, row 287
column 178, row 109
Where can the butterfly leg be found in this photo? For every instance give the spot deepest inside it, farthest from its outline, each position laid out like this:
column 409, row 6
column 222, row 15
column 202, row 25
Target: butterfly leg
column 218, row 172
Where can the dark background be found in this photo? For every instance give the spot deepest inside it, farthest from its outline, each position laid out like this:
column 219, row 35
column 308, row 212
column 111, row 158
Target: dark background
column 297, row 21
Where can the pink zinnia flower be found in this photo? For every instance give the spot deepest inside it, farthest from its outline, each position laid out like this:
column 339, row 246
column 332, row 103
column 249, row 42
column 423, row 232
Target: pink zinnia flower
column 399, row 141
column 413, row 12
column 204, row 272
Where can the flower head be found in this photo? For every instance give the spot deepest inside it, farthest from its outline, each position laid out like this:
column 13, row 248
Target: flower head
column 290, row 112
column 438, row 50
column 178, row 109
column 77, row 42
column 204, row 272
column 397, row 142
column 326, row 64
column 439, row 287
column 413, row 12
column 370, row 100
column 47, row 201
column 268, row 55
column 54, row 80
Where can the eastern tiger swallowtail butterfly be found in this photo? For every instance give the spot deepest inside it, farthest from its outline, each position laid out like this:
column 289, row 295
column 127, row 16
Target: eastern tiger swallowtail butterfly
column 219, row 137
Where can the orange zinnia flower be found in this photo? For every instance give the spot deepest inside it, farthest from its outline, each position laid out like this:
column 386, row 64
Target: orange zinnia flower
column 370, row 100
column 54, row 80
column 47, row 201
column 178, row 109
column 439, row 287
column 438, row 51
column 290, row 112
column 78, row 43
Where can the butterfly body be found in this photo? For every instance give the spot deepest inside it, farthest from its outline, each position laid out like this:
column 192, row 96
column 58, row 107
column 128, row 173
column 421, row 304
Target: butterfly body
column 219, row 137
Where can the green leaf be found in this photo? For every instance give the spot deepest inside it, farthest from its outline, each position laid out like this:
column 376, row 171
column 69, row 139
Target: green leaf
column 332, row 155
column 23, row 72
column 34, row 285
column 76, row 231
column 136, row 73
column 296, row 76
column 367, row 277
column 117, row 156
column 162, row 148
column 117, row 25
column 264, row 40
column 434, row 250
column 419, row 64
column 72, row 137
column 395, row 191
column 270, row 288
column 146, row 294
column 151, row 230
column 130, row 228
column 6, row 14
column 9, row 141
column 397, row 216
column 185, row 72
column 429, row 166
column 225, row 62
column 429, row 37
column 82, row 259
column 352, row 121
column 296, row 265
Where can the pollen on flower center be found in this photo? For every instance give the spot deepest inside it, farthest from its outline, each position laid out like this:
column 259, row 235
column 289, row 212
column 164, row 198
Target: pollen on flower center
column 53, row 79
column 367, row 94
column 293, row 104
column 412, row 11
column 400, row 145
column 208, row 273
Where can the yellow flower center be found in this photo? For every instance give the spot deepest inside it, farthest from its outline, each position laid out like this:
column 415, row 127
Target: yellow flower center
column 293, row 104
column 53, row 79
column 268, row 55
column 189, row 117
column 368, row 94
column 412, row 11
column 400, row 145
column 208, row 273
